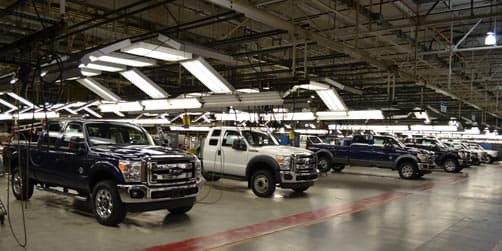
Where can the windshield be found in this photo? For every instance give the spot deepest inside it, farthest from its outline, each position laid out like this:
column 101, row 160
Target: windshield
column 114, row 134
column 255, row 138
column 396, row 142
column 315, row 140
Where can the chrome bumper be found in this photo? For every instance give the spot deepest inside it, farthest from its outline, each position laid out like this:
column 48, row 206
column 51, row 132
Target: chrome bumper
column 425, row 166
column 293, row 177
column 176, row 192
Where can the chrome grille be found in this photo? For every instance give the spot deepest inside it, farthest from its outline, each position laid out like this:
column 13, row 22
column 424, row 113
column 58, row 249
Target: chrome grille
column 161, row 172
column 304, row 163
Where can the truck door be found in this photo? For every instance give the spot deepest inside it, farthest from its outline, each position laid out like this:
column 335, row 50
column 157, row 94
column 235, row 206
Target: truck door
column 383, row 152
column 233, row 161
column 211, row 153
column 71, row 167
column 360, row 154
column 45, row 155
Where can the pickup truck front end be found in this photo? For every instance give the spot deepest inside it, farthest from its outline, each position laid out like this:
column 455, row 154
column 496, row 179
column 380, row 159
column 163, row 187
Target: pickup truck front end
column 297, row 169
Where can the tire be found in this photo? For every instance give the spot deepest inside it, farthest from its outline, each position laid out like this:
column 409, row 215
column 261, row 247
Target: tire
column 263, row 183
column 450, row 165
column 324, row 164
column 419, row 174
column 489, row 159
column 22, row 190
column 180, row 210
column 106, row 204
column 338, row 167
column 408, row 170
column 210, row 176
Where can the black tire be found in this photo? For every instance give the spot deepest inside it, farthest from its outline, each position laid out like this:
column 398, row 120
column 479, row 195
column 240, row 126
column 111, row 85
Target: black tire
column 489, row 159
column 106, row 204
column 324, row 163
column 450, row 165
column 301, row 189
column 408, row 170
column 262, row 183
column 22, row 190
column 180, row 210
column 419, row 174
column 210, row 176
column 338, row 167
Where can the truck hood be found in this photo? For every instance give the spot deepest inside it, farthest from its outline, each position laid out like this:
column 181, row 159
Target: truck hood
column 281, row 150
column 140, row 152
column 414, row 150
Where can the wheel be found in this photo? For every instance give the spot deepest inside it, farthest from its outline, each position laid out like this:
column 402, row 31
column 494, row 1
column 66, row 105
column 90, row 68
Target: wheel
column 489, row 159
column 408, row 170
column 210, row 176
column 338, row 167
column 262, row 183
column 324, row 164
column 22, row 190
column 301, row 189
column 180, row 210
column 107, row 206
column 451, row 165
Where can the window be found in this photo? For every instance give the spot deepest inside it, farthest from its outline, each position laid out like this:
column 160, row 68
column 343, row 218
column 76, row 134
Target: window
column 115, row 134
column 51, row 134
column 378, row 141
column 213, row 142
column 255, row 138
column 229, row 138
column 216, row 133
column 71, row 131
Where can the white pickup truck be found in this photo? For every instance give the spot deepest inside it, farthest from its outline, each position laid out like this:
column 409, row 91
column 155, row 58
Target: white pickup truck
column 255, row 156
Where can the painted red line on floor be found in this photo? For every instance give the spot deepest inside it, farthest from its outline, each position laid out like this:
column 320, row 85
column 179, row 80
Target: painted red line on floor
column 264, row 228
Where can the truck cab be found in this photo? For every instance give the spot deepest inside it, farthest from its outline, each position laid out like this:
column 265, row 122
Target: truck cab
column 255, row 156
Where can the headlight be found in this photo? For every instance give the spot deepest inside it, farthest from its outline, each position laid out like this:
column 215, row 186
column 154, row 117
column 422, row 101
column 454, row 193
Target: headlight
column 422, row 157
column 284, row 162
column 131, row 170
column 198, row 168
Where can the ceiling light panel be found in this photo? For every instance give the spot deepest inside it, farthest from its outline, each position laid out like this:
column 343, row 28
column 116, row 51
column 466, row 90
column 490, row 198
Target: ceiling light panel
column 206, row 74
column 99, row 89
column 157, row 52
column 144, row 83
column 332, row 100
column 171, row 104
column 104, row 66
column 122, row 58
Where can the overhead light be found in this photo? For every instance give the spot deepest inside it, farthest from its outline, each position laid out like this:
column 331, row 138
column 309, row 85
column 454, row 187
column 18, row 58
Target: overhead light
column 22, row 100
column 219, row 100
column 93, row 113
column 206, row 74
column 36, row 115
column 314, row 86
column 491, row 38
column 43, row 73
column 121, row 107
column 144, row 83
column 156, row 51
column 5, row 116
column 350, row 115
column 99, row 89
column 171, row 104
column 301, row 116
column 332, row 100
column 237, row 116
column 248, row 90
column 13, row 80
column 103, row 66
column 89, row 72
column 121, row 58
column 11, row 106
column 423, row 115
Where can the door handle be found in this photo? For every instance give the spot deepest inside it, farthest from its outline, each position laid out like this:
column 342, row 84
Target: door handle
column 219, row 152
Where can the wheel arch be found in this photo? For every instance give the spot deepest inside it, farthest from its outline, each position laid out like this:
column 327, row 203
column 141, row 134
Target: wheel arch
column 262, row 162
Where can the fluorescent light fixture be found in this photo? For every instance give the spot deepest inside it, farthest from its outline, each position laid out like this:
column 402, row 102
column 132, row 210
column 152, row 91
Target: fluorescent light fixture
column 144, row 83
column 350, row 115
column 36, row 115
column 171, row 104
column 93, row 113
column 156, row 51
column 490, row 38
column 11, row 106
column 206, row 74
column 89, row 72
column 237, row 116
column 22, row 100
column 332, row 100
column 342, row 86
column 445, row 128
column 13, row 80
column 423, row 115
column 5, row 116
column 300, row 116
column 129, row 106
column 314, row 86
column 103, row 66
column 121, row 58
column 43, row 73
column 98, row 89
column 217, row 101
column 248, row 90
column 119, row 114
column 258, row 99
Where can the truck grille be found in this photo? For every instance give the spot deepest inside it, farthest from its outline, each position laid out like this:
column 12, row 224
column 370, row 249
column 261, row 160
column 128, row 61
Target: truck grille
column 304, row 163
column 175, row 193
column 161, row 172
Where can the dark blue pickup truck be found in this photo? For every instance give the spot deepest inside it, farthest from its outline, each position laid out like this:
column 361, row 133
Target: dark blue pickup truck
column 114, row 165
column 377, row 151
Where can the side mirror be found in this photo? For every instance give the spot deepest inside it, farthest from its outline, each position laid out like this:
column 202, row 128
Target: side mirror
column 77, row 145
column 239, row 145
column 388, row 146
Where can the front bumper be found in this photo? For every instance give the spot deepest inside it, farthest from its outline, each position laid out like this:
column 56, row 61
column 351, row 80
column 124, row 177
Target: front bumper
column 425, row 166
column 142, row 193
column 289, row 177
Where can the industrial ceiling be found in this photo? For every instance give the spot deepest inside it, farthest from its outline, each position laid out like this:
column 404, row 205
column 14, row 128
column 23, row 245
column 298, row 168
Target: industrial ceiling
column 390, row 55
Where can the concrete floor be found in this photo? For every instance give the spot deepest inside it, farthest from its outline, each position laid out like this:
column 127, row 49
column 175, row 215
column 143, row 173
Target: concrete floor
column 359, row 209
